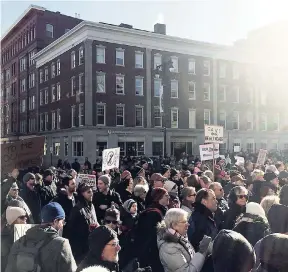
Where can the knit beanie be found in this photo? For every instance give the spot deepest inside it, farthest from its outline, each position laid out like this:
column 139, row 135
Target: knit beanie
column 158, row 194
column 125, row 174
column 105, row 179
column 128, row 204
column 12, row 213
column 28, row 176
column 255, row 209
column 95, row 268
column 51, row 212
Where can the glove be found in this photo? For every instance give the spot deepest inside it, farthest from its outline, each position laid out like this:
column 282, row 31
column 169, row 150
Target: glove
column 204, row 244
column 136, row 268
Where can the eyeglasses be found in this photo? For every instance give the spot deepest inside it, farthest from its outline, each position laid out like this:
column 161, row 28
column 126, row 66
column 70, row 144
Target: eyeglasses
column 242, row 196
column 114, row 222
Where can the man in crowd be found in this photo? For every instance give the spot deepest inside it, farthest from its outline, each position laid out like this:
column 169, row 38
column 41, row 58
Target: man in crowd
column 104, row 198
column 76, row 165
column 49, row 189
column 236, row 180
column 44, row 244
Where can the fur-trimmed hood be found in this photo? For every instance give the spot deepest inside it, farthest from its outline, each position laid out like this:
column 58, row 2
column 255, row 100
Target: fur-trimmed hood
column 166, row 236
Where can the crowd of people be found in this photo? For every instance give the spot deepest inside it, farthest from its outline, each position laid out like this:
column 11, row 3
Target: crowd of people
column 148, row 215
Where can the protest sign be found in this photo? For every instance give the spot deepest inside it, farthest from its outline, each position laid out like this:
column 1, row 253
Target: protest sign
column 261, row 157
column 22, row 154
column 239, row 160
column 110, row 158
column 21, row 229
column 237, row 148
column 89, row 179
column 213, row 134
column 206, row 152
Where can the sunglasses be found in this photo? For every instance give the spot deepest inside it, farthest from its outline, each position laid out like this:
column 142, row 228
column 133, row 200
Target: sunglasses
column 242, row 196
column 14, row 190
column 114, row 222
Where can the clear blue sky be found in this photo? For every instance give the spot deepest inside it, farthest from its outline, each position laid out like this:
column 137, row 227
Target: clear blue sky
column 219, row 21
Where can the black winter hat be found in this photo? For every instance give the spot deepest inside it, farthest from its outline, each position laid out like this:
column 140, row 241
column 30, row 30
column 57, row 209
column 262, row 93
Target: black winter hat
column 164, row 169
column 173, row 172
column 136, row 171
column 270, row 176
column 47, row 172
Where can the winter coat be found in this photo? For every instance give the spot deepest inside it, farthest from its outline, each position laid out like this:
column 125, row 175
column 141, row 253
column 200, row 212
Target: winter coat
column 66, row 203
column 187, row 209
column 232, row 215
column 47, row 193
column 7, row 240
column 101, row 199
column 91, row 260
column 55, row 255
column 76, row 166
column 201, row 223
column 253, row 228
column 228, row 188
column 125, row 195
column 82, row 218
column 219, row 216
column 177, row 254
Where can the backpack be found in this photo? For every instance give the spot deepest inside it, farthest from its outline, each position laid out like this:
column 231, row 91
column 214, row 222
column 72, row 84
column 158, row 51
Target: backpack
column 28, row 255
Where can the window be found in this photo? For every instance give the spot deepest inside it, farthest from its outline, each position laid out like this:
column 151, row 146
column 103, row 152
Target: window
column 66, row 146
column 46, row 76
column 8, row 74
column 81, row 83
column 46, row 96
column 139, row 85
column 58, row 97
column 73, row 60
column 30, row 56
column 73, row 116
column 53, row 93
column 23, row 126
column 22, row 105
column 139, row 59
column 263, row 98
column 58, row 119
column 157, row 148
column 250, row 95
column 191, row 90
column 81, row 115
column 174, row 88
column 235, row 120
column 157, row 117
column 139, row 116
column 131, row 148
column 32, row 124
column 192, row 66
column 222, row 70
column 206, row 68
column 13, row 69
column 23, row 64
column 13, row 89
column 56, row 146
column 175, row 64
column 157, row 62
column 101, row 86
column 41, row 76
column 274, row 144
column 250, row 145
column 73, row 86
column 31, row 80
column 77, row 146
column 32, row 102
column 174, row 118
column 58, row 67
column 81, row 56
column 222, row 118
column 120, row 115
column 275, row 122
column 235, row 94
column 46, row 120
column 235, row 71
column 53, row 120
column 101, row 114
column 49, row 31
column 120, row 57
column 263, row 122
column 157, row 87
column 250, row 122
column 53, row 70
column 207, row 117
column 119, row 84
column 41, row 97
column 100, row 54
column 192, row 118
column 23, row 85
column 206, row 92
column 222, row 93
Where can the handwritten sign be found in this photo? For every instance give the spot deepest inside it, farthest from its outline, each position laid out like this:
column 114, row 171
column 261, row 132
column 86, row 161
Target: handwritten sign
column 21, row 229
column 89, row 179
column 22, row 154
column 110, row 158
column 261, row 157
column 206, row 152
column 213, row 134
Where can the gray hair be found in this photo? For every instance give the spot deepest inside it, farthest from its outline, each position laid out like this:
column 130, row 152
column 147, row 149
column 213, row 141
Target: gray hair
column 140, row 189
column 206, row 179
column 209, row 174
column 239, row 189
column 138, row 179
column 268, row 201
column 173, row 216
column 187, row 191
column 213, row 185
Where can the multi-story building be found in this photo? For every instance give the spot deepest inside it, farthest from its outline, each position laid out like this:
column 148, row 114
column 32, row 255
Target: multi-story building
column 33, row 31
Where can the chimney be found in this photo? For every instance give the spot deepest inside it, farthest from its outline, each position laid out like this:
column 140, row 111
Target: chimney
column 160, row 28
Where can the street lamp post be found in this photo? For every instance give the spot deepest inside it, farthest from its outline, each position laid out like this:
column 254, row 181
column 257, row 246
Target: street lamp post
column 166, row 66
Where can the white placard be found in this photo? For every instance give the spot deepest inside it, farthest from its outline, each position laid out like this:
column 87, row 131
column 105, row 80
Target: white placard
column 89, row 179
column 21, row 229
column 261, row 157
column 239, row 160
column 237, row 148
column 213, row 134
column 110, row 158
column 206, row 152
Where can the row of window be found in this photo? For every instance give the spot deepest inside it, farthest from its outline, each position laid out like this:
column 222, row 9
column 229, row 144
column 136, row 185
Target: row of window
column 54, row 96
column 55, row 120
column 223, row 71
column 55, row 71
column 31, row 104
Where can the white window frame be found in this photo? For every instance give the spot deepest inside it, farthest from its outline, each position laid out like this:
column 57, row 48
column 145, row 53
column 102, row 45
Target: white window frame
column 238, row 120
column 276, row 120
column 23, row 64
column 73, row 86
column 174, row 85
column 192, row 66
column 46, row 96
column 157, row 117
column 222, row 70
column 23, row 85
column 176, row 123
column 139, row 56
column 192, row 94
column 235, row 71
column 31, row 80
column 175, row 64
column 100, row 48
column 120, row 77
column 81, row 55
column 236, row 89
column 248, row 115
column 53, row 93
column 265, row 121
column 206, row 84
column 100, row 76
column 207, row 65
column 103, row 106
column 23, row 105
column 53, row 118
column 81, row 83
column 58, row 91
column 58, row 122
column 46, row 121
column 46, row 74
column 32, row 102
column 41, row 76
column 123, row 115
column 139, row 107
column 207, row 111
column 51, row 30
column 58, row 67
column 73, row 114
column 77, row 139
column 30, row 55
column 81, row 107
column 192, row 122
column 73, row 60
column 53, row 70
column 41, row 100
column 120, row 55
column 140, row 87
column 157, row 61
column 157, row 81
column 224, row 93
column 224, row 124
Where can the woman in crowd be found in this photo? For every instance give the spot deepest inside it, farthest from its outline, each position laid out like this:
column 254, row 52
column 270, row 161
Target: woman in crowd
column 254, row 224
column 188, row 198
column 237, row 201
column 139, row 195
column 268, row 201
column 175, row 251
column 128, row 215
